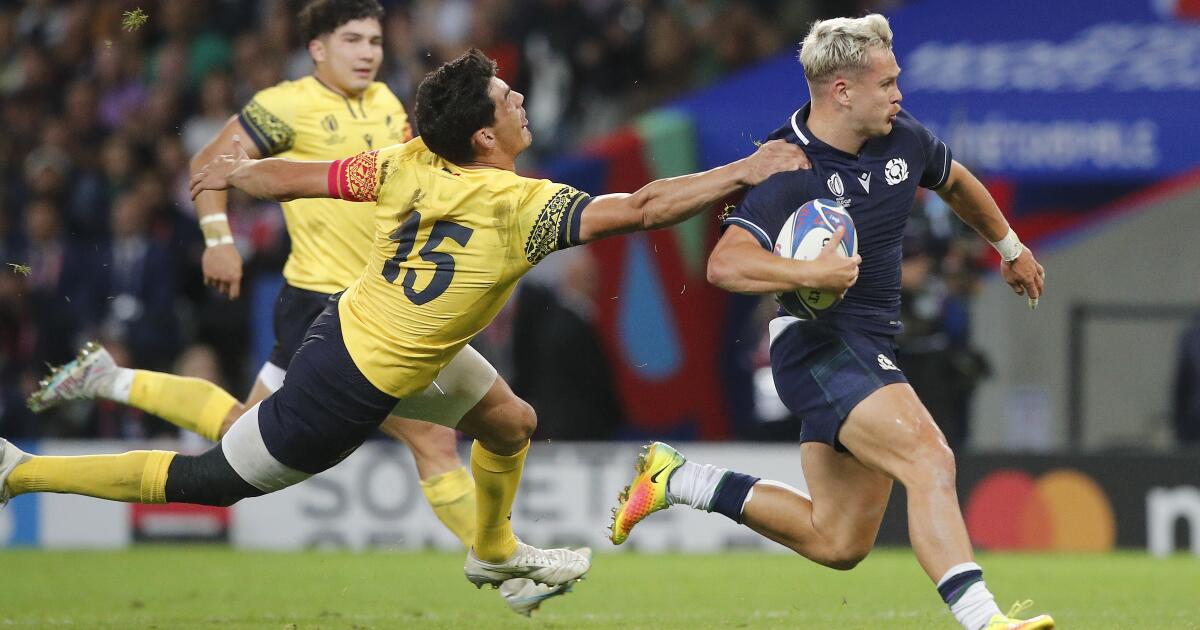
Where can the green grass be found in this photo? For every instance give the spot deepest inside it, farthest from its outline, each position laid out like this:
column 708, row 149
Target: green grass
column 182, row 587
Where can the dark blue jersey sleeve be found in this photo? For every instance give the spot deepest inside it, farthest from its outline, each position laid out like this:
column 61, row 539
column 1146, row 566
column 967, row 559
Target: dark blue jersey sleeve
column 765, row 209
column 937, row 154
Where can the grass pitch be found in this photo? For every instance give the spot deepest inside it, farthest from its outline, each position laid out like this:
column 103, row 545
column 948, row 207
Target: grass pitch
column 199, row 587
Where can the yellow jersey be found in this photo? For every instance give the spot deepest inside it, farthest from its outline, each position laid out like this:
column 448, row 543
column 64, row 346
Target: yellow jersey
column 305, row 120
column 450, row 244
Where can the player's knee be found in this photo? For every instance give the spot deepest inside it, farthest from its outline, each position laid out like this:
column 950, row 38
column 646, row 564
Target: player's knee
column 846, row 555
column 523, row 421
column 931, row 466
column 845, row 562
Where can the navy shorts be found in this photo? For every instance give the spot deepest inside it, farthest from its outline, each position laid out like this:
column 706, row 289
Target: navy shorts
column 295, row 311
column 326, row 408
column 823, row 371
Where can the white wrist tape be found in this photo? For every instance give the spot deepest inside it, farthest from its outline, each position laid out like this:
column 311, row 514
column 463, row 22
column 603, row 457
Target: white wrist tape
column 219, row 240
column 214, row 218
column 1010, row 246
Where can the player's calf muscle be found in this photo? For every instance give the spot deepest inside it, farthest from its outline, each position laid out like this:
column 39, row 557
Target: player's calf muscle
column 206, row 479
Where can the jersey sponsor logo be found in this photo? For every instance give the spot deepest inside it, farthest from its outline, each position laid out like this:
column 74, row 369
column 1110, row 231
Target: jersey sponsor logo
column 835, row 185
column 886, row 363
column 896, row 171
column 865, row 181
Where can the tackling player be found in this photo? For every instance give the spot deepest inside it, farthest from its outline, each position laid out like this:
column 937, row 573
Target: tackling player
column 456, row 227
column 862, row 424
column 339, row 110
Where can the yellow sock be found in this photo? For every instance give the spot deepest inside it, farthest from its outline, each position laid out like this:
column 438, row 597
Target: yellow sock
column 452, row 497
column 192, row 404
column 133, row 477
column 496, row 481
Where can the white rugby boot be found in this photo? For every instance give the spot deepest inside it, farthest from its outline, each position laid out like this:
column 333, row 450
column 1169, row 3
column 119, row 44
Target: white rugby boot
column 83, row 378
column 10, row 458
column 524, row 596
column 552, row 567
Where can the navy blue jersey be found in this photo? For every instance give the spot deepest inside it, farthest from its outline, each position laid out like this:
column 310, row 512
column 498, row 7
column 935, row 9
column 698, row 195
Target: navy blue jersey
column 877, row 187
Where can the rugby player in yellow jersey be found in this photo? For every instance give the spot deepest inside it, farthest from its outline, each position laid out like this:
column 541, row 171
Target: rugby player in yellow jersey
column 456, row 227
column 338, row 110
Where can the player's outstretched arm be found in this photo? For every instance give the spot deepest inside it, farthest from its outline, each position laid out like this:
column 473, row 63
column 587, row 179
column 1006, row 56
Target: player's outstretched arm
column 221, row 262
column 972, row 202
column 739, row 264
column 272, row 178
column 668, row 201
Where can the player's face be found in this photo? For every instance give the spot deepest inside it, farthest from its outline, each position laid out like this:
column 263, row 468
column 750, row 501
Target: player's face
column 511, row 126
column 349, row 57
column 876, row 95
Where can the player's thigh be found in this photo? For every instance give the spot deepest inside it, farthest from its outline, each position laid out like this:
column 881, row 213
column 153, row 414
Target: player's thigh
column 294, row 313
column 822, row 372
column 891, row 431
column 848, row 498
column 462, row 385
column 326, row 408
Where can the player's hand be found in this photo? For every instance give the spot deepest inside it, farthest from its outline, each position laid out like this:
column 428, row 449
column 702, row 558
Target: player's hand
column 218, row 173
column 1025, row 276
column 222, row 265
column 773, row 157
column 831, row 271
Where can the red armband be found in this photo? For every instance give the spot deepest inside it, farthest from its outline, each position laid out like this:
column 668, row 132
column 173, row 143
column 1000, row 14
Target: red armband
column 354, row 178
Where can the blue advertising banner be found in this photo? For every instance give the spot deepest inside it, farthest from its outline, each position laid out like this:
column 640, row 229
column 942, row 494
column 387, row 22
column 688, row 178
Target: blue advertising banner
column 1071, row 90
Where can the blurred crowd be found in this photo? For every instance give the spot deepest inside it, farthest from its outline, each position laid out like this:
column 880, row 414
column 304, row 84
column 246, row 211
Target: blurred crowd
column 97, row 233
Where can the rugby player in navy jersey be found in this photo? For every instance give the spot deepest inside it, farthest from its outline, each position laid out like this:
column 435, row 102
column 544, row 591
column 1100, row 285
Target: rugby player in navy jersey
column 862, row 424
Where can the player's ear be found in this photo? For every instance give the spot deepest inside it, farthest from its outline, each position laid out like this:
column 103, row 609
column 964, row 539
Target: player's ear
column 316, row 49
column 839, row 91
column 484, row 140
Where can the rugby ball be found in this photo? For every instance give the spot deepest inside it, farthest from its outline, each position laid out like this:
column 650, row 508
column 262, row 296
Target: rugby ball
column 803, row 236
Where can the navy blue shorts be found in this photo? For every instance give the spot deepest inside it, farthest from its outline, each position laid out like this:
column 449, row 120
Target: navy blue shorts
column 326, row 408
column 295, row 310
column 822, row 372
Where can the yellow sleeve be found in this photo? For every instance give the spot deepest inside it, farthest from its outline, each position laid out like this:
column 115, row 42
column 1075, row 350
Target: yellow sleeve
column 359, row 177
column 549, row 218
column 270, row 118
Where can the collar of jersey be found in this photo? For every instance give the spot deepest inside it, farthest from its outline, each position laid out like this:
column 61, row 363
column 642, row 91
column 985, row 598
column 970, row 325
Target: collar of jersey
column 810, row 142
column 338, row 94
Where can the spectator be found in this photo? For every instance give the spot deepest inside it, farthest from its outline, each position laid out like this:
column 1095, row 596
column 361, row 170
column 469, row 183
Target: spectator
column 134, row 286
column 559, row 363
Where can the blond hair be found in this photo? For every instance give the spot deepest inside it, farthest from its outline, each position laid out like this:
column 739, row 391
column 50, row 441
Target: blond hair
column 842, row 45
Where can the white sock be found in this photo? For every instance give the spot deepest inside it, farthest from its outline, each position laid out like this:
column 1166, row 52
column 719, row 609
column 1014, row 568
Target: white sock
column 976, row 607
column 115, row 386
column 694, row 484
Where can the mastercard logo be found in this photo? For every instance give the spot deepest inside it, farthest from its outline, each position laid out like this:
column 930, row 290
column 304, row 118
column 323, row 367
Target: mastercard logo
column 1062, row 510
